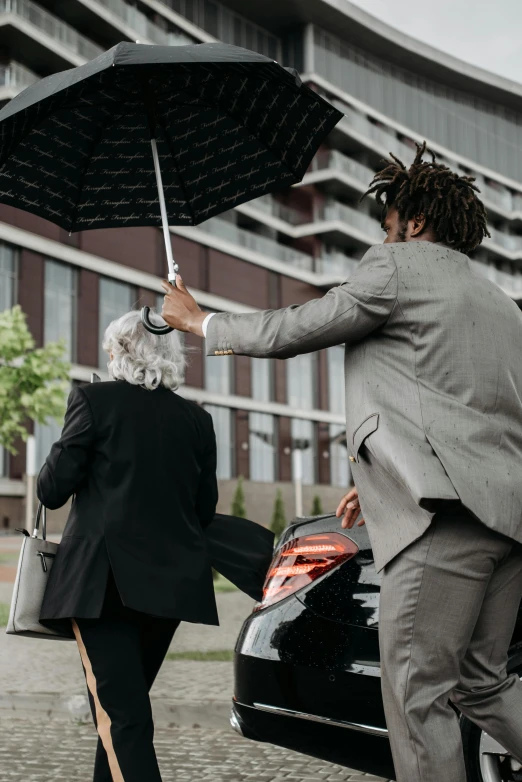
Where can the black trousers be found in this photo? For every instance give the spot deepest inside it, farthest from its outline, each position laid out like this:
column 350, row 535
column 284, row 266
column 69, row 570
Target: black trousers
column 121, row 653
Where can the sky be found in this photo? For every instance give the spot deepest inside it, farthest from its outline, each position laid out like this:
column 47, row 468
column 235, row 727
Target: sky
column 487, row 33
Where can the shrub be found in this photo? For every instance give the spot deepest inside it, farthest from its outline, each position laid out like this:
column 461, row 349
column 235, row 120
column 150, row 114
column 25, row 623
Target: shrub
column 33, row 381
column 238, row 503
column 278, row 522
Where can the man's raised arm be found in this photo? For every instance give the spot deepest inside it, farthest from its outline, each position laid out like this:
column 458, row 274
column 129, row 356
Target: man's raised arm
column 347, row 313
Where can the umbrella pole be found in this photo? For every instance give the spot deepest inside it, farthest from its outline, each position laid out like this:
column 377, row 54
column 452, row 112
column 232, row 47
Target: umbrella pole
column 173, row 267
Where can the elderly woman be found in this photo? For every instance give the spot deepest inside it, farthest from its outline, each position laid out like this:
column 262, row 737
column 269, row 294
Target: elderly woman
column 133, row 562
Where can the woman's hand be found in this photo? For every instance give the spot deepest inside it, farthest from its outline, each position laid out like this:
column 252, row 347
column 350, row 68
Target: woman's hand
column 349, row 508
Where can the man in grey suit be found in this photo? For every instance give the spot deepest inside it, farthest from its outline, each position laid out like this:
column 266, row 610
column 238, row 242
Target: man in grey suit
column 434, row 424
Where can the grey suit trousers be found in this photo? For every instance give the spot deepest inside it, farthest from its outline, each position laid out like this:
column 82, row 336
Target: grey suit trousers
column 448, row 608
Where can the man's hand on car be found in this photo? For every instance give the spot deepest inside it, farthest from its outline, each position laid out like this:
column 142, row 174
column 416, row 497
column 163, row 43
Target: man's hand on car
column 349, row 508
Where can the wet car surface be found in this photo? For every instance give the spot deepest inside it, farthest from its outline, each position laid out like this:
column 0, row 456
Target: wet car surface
column 307, row 666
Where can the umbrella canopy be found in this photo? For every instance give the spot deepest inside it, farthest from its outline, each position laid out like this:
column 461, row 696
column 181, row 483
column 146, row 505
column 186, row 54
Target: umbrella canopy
column 229, row 125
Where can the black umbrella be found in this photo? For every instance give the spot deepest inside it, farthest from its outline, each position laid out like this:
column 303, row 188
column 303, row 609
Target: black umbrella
column 224, row 125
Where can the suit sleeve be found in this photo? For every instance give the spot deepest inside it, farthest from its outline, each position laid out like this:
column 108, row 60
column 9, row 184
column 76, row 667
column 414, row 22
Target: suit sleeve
column 347, row 313
column 208, row 488
column 66, row 467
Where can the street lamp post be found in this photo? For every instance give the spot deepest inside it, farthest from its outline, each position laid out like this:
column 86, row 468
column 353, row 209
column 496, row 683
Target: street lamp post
column 298, row 446
column 30, row 471
column 297, row 469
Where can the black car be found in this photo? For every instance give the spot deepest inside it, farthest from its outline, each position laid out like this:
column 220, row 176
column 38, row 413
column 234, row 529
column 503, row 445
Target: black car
column 307, row 670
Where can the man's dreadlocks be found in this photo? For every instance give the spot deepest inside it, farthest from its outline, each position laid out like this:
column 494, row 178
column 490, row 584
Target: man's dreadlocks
column 447, row 200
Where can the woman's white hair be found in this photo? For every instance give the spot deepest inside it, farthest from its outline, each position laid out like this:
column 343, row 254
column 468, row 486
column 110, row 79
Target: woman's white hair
column 142, row 358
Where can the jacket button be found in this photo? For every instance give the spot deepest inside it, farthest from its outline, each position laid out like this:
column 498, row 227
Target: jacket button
column 352, row 458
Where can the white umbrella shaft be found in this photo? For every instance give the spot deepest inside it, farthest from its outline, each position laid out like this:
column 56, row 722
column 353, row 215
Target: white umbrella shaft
column 173, row 267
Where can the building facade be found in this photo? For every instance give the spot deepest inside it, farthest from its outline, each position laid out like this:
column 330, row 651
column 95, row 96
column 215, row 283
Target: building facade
column 274, row 251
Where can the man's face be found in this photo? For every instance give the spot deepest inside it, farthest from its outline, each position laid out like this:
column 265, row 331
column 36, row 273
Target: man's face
column 396, row 230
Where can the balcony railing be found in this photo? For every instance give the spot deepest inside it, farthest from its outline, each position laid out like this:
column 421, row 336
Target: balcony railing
column 337, row 161
column 268, row 205
column 383, row 137
column 51, row 26
column 332, row 263
column 223, row 229
column 143, row 25
column 15, row 75
column 508, row 241
column 500, row 197
column 512, row 282
column 334, row 210
column 336, row 264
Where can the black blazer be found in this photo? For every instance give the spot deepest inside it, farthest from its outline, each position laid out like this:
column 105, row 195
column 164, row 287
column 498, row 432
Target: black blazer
column 142, row 467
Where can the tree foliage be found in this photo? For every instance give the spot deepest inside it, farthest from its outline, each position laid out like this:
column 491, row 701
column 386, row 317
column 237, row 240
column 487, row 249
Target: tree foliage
column 238, row 503
column 317, row 506
column 33, row 381
column 278, row 523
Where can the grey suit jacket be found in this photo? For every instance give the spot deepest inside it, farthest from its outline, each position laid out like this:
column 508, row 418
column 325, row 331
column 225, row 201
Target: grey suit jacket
column 433, row 385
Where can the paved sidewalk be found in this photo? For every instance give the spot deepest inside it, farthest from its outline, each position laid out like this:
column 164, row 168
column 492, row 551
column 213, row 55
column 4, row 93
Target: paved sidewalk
column 47, row 677
column 64, row 752
column 28, row 665
column 46, row 734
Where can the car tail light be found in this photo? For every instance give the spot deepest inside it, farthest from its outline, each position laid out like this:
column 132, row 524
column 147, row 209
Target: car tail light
column 301, row 561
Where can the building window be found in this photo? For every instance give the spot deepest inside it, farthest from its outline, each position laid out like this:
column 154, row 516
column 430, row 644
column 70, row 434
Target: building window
column 301, row 374
column 303, row 440
column 262, row 379
column 4, row 463
column 219, row 374
column 475, row 127
column 262, row 447
column 60, row 306
column 227, row 25
column 222, row 417
column 340, row 473
column 115, row 300
column 335, row 362
column 8, row 275
column 46, row 435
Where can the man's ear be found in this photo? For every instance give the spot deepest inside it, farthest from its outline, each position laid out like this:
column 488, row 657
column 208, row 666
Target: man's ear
column 418, row 225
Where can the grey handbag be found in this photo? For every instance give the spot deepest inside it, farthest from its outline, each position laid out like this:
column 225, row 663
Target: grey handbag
column 35, row 564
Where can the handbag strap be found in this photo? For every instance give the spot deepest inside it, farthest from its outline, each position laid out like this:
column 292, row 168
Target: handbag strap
column 41, row 513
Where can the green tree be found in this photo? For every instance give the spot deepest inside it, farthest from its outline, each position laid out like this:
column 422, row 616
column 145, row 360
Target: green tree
column 278, row 522
column 317, row 506
column 238, row 503
column 33, row 381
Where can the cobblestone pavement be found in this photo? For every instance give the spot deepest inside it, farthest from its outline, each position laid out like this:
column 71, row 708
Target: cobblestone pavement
column 51, row 667
column 39, row 743
column 30, row 666
column 59, row 751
